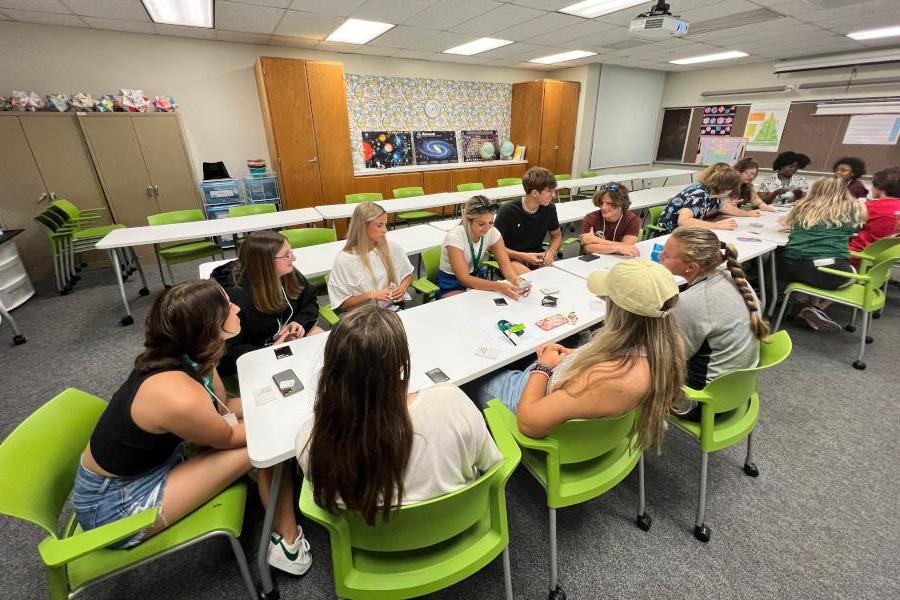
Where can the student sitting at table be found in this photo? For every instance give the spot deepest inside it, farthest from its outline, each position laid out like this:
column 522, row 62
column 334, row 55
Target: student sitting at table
column 135, row 459
column 370, row 268
column 276, row 301
column 850, row 169
column 465, row 248
column 525, row 223
column 635, row 359
column 704, row 199
column 613, row 229
column 883, row 210
column 785, row 186
column 746, row 193
column 821, row 225
column 717, row 312
column 373, row 444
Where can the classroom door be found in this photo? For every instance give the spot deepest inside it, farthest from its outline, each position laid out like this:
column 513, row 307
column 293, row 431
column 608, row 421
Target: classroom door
column 168, row 164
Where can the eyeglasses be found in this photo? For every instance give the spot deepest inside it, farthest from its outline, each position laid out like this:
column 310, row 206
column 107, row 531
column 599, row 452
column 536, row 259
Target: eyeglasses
column 484, row 206
column 288, row 256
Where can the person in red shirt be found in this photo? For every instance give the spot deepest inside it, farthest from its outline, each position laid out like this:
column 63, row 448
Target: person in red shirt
column 883, row 209
column 613, row 229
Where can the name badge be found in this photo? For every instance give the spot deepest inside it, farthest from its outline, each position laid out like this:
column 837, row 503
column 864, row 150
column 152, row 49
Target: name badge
column 230, row 418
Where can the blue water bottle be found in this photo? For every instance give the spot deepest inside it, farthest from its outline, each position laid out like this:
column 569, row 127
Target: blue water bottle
column 654, row 255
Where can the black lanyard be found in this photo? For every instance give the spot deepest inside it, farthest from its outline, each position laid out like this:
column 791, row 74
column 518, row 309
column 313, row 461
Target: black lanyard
column 476, row 260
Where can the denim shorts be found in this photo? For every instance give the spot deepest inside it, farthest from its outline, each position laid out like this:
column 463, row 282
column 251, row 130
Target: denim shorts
column 506, row 385
column 99, row 500
column 447, row 282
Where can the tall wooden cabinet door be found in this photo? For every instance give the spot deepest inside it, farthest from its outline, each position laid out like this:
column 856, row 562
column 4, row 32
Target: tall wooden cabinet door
column 63, row 159
column 328, row 100
column 286, row 99
column 22, row 197
column 525, row 118
column 568, row 120
column 120, row 164
column 550, row 124
column 167, row 160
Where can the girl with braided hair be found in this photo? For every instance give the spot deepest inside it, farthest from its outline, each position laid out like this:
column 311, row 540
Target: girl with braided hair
column 718, row 313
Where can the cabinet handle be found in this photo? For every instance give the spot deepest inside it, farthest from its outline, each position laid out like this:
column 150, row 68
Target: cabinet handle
column 149, row 192
column 156, row 191
column 314, row 159
column 556, row 147
column 42, row 197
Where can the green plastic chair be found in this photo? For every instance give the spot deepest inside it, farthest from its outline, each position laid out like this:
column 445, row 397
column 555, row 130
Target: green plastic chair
column 563, row 194
column 865, row 294
column 508, row 181
column 868, row 257
column 413, row 215
column 173, row 254
column 578, row 461
column 469, row 187
column 586, row 192
column 651, row 229
column 427, row 286
column 310, row 236
column 60, row 238
column 252, row 209
column 44, row 474
column 362, row 197
column 426, row 546
column 80, row 220
column 325, row 311
column 728, row 414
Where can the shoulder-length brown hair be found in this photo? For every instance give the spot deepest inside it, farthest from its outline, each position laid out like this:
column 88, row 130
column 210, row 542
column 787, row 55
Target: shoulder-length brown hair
column 719, row 178
column 256, row 269
column 185, row 320
column 362, row 434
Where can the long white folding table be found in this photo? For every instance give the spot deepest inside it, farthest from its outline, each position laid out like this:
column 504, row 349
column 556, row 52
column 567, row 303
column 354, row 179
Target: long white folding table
column 177, row 232
column 443, row 334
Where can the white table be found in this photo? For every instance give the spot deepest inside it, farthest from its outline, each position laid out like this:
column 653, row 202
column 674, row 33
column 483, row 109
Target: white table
column 331, row 212
column 177, row 232
column 445, row 225
column 765, row 226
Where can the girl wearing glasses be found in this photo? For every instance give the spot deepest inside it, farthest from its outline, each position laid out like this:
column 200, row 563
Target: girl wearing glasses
column 465, row 249
column 613, row 229
column 277, row 302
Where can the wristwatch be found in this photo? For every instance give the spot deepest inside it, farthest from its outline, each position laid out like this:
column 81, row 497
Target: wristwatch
column 543, row 369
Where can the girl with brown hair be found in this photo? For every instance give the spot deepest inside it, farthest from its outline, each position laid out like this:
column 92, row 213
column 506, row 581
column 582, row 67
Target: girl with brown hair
column 746, row 193
column 613, row 229
column 135, row 461
column 718, row 314
column 372, row 445
column 277, row 302
column 705, row 199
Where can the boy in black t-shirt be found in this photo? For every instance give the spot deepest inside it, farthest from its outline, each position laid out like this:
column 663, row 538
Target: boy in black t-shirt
column 525, row 223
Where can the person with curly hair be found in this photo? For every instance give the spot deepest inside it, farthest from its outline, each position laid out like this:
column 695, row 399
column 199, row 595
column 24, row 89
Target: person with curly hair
column 850, row 169
column 785, row 185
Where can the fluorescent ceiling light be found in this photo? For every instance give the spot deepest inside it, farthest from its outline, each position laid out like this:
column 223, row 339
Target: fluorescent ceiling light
column 709, row 57
column 564, row 56
column 358, row 31
column 193, row 13
column 595, row 8
column 478, row 46
column 874, row 34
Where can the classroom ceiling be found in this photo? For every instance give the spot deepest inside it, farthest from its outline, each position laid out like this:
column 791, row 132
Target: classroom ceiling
column 424, row 28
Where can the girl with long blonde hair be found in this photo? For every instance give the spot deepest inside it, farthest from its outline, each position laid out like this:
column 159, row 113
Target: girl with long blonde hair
column 821, row 225
column 370, row 268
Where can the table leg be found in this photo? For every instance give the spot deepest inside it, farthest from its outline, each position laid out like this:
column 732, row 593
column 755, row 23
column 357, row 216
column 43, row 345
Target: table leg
column 144, row 291
column 117, row 268
column 265, row 573
column 773, row 269
column 762, row 282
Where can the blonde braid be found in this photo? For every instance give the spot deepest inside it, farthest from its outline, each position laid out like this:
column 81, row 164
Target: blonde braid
column 758, row 324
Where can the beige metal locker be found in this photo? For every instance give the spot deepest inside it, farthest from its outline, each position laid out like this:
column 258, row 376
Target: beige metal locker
column 168, row 163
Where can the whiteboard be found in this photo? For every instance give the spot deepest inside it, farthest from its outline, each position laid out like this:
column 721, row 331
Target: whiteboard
column 625, row 125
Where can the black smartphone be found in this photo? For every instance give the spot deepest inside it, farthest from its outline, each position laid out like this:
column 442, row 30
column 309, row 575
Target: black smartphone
column 501, row 302
column 283, row 352
column 588, row 257
column 437, row 376
column 287, row 382
column 548, row 301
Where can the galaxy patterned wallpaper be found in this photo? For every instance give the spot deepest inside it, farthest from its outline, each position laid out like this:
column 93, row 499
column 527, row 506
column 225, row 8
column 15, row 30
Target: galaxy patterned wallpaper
column 377, row 103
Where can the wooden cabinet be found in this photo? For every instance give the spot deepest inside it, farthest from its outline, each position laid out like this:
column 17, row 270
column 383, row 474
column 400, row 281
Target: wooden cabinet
column 543, row 119
column 304, row 108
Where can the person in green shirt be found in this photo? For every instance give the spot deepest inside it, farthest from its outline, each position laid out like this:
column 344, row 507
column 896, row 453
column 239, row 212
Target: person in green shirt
column 820, row 227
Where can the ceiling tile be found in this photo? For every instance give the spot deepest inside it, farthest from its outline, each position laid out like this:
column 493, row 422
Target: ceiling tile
column 128, row 10
column 3, row 17
column 292, row 42
column 308, row 25
column 391, row 11
column 546, row 23
column 545, row 4
column 441, row 41
column 354, row 49
column 342, row 8
column 242, row 38
column 189, row 32
column 30, row 16
column 414, row 55
column 581, row 30
column 502, row 17
column 518, row 50
column 401, row 36
column 231, row 16
column 54, row 6
column 120, row 25
column 272, row 3
column 449, row 13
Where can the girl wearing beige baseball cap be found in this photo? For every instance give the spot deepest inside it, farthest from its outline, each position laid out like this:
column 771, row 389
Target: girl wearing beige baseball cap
column 636, row 359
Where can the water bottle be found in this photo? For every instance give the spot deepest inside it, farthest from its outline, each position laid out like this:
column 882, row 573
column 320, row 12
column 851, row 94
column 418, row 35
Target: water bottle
column 657, row 250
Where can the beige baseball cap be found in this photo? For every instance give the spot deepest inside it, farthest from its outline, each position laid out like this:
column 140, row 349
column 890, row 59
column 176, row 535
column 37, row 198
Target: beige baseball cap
column 638, row 285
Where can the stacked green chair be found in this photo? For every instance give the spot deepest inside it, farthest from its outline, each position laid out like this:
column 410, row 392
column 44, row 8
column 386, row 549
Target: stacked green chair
column 413, row 215
column 564, row 194
column 180, row 252
column 586, row 192
column 580, row 460
column 427, row 286
column 652, row 228
column 729, row 412
column 44, row 474
column 866, row 293
column 362, row 197
column 426, row 546
column 60, row 239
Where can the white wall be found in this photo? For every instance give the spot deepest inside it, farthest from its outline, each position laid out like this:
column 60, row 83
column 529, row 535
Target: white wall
column 589, row 78
column 213, row 82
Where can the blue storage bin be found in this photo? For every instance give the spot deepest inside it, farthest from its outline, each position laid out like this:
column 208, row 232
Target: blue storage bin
column 263, row 189
column 220, row 211
column 222, row 191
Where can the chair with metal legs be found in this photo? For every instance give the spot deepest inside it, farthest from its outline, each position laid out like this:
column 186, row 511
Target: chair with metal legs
column 18, row 338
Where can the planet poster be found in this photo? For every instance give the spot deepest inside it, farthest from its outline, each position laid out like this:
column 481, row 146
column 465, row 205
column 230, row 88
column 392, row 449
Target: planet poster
column 386, row 149
column 718, row 119
column 474, row 140
column 434, row 147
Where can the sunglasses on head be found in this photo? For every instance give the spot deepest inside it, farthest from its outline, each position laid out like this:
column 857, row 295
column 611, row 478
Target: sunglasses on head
column 608, row 187
column 483, row 207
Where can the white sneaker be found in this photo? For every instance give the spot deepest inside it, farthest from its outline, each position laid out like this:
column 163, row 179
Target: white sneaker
column 295, row 558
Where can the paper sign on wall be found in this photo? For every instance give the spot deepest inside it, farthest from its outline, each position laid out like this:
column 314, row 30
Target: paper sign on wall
column 718, row 119
column 873, row 129
column 716, row 148
column 765, row 124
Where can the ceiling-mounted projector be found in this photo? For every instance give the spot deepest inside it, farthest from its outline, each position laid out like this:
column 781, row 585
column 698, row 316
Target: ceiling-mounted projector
column 658, row 23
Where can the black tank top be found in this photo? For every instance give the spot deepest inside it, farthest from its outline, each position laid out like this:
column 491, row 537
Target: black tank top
column 121, row 447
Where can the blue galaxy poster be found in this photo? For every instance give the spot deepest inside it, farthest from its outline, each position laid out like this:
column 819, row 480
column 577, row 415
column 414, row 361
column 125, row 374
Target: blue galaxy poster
column 386, row 149
column 435, row 147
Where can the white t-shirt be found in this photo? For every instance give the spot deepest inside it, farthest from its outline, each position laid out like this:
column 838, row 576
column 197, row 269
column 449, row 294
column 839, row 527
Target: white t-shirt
column 457, row 238
column 350, row 278
column 451, row 444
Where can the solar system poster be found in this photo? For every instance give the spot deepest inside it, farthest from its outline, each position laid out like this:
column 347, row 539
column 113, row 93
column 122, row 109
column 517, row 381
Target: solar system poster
column 718, row 119
column 434, row 147
column 475, row 141
column 386, row 149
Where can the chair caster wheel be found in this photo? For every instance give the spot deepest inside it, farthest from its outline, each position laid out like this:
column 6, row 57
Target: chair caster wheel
column 701, row 532
column 643, row 522
column 273, row 595
column 64, row 292
column 124, row 278
column 76, row 277
column 876, row 315
column 167, row 286
column 126, row 320
column 751, row 470
column 78, row 269
column 83, row 265
column 858, row 364
column 19, row 340
column 143, row 292
column 557, row 594
column 850, row 328
column 869, row 339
